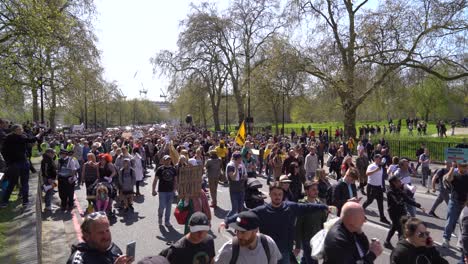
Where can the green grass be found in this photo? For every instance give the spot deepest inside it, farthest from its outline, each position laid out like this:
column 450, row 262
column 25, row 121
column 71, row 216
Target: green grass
column 6, row 217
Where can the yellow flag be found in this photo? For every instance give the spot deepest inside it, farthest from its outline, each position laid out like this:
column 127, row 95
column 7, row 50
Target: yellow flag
column 241, row 135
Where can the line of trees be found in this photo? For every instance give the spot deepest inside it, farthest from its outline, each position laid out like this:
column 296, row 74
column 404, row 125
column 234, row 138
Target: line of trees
column 306, row 60
column 49, row 62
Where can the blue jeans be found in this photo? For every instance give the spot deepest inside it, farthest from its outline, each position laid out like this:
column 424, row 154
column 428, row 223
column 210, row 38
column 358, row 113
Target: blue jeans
column 48, row 197
column 306, row 252
column 237, row 203
column 17, row 171
column 165, row 204
column 411, row 209
column 453, row 213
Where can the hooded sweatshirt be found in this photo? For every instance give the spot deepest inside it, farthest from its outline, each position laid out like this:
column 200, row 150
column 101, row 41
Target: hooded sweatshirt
column 83, row 254
column 406, row 252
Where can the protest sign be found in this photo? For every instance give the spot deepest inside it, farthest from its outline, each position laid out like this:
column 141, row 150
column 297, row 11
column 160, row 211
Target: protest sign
column 456, row 154
column 189, row 181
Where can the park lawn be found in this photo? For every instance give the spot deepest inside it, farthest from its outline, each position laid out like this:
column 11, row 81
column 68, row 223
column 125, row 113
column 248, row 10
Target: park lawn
column 6, row 217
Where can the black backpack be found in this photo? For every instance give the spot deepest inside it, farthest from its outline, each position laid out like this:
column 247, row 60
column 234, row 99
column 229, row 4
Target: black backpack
column 236, row 248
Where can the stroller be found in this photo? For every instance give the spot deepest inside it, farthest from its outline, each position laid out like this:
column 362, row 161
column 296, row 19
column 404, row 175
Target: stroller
column 253, row 196
column 92, row 196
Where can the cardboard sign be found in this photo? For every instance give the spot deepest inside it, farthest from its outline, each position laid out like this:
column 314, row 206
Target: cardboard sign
column 189, row 181
column 127, row 135
column 456, row 154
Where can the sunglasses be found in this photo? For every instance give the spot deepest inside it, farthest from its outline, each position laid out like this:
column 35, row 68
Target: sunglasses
column 96, row 215
column 424, row 234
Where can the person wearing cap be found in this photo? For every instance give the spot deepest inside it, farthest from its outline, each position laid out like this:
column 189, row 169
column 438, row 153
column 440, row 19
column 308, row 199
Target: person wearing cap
column 249, row 245
column 97, row 246
column 14, row 152
column 49, row 175
column 374, row 186
column 457, row 177
column 444, row 193
column 404, row 173
column 309, row 224
column 396, row 200
column 167, row 177
column 285, row 183
column 237, row 177
column 213, row 172
column 223, row 152
column 67, row 167
column 195, row 247
column 277, row 220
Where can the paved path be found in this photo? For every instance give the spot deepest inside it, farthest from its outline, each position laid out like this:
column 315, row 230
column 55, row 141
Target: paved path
column 141, row 226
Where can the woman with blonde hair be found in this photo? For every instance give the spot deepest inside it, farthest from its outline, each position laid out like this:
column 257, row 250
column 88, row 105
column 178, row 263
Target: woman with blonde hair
column 323, row 184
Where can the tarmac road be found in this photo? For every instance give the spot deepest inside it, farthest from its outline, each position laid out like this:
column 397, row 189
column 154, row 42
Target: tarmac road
column 141, row 225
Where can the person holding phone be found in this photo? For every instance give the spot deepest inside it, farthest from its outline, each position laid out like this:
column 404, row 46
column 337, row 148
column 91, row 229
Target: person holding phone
column 417, row 247
column 97, row 246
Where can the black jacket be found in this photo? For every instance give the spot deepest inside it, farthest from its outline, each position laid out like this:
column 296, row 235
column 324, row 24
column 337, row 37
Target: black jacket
column 340, row 246
column 83, row 254
column 48, row 168
column 405, row 252
column 15, row 147
column 341, row 194
column 396, row 200
column 464, row 234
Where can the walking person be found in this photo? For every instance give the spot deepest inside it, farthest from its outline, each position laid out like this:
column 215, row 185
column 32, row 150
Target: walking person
column 311, row 163
column 361, row 164
column 89, row 175
column 457, row 177
column 167, row 177
column 213, row 172
column 404, row 173
column 237, row 177
column 14, row 152
column 374, row 187
column 127, row 180
column 396, row 200
column 345, row 189
column 309, row 224
column 444, row 193
column 425, row 161
column 249, row 245
column 138, row 169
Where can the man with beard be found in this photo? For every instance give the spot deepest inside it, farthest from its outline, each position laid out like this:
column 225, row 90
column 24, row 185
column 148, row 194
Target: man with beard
column 278, row 219
column 248, row 246
column 97, row 246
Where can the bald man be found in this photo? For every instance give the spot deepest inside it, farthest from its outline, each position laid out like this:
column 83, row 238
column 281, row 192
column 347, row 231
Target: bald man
column 347, row 237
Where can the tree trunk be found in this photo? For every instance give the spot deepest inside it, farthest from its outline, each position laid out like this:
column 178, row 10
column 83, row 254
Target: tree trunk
column 349, row 121
column 53, row 102
column 239, row 100
column 35, row 103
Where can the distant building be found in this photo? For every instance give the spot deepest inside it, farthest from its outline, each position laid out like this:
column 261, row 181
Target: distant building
column 163, row 106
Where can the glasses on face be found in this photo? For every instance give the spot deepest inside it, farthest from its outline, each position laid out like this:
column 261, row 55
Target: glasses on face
column 424, row 234
column 96, row 215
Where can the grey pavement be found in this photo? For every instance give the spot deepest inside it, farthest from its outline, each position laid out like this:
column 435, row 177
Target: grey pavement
column 142, row 227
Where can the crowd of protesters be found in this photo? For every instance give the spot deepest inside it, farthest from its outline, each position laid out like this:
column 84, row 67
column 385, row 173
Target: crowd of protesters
column 112, row 166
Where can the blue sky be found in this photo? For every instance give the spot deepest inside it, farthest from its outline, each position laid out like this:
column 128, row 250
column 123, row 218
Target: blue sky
column 130, row 32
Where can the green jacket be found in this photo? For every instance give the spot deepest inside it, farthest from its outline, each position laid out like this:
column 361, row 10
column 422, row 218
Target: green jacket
column 309, row 224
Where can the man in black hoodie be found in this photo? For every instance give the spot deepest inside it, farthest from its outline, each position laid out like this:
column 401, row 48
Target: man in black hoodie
column 14, row 152
column 97, row 247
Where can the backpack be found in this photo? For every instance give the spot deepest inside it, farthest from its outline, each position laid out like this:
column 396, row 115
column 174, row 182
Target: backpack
column 236, row 248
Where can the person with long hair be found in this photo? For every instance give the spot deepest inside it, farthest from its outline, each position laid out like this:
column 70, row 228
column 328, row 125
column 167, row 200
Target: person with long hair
column 323, row 185
column 417, row 247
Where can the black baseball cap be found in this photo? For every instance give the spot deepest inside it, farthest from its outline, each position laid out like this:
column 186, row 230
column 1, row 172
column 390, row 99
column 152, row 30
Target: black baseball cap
column 199, row 222
column 246, row 221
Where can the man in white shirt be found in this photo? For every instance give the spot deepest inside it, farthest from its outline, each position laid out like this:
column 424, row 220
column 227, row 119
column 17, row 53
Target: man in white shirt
column 311, row 163
column 374, row 186
column 248, row 246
